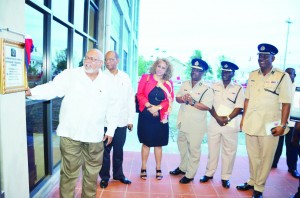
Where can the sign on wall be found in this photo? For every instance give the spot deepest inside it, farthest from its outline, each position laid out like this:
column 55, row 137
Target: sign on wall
column 13, row 76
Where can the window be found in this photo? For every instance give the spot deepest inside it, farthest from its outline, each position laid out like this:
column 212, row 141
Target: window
column 35, row 143
column 79, row 14
column 39, row 1
column 77, row 50
column 61, row 9
column 125, row 61
column 113, row 44
column 34, row 28
column 91, row 44
column 59, row 39
column 92, row 16
column 35, row 111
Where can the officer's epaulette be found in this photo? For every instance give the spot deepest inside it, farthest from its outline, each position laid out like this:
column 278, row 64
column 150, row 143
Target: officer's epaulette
column 254, row 71
column 186, row 81
column 206, row 84
column 278, row 70
column 218, row 83
column 236, row 84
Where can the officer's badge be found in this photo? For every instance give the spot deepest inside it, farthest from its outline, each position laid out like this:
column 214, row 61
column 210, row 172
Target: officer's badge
column 226, row 66
column 196, row 63
column 262, row 48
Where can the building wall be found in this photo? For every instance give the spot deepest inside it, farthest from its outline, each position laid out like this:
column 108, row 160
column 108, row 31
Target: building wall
column 13, row 145
column 122, row 35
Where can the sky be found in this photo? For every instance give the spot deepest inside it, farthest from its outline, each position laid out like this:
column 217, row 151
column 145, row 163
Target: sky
column 232, row 28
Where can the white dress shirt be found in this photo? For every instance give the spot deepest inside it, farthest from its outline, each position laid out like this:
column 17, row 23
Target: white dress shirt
column 85, row 107
column 123, row 93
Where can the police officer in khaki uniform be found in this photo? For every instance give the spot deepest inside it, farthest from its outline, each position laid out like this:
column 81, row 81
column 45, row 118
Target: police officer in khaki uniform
column 224, row 125
column 266, row 111
column 196, row 99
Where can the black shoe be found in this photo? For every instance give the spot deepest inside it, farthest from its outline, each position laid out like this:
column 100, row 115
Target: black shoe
column 103, row 183
column 225, row 183
column 257, row 194
column 205, row 179
column 185, row 180
column 274, row 166
column 177, row 171
column 297, row 195
column 294, row 173
column 244, row 186
column 124, row 180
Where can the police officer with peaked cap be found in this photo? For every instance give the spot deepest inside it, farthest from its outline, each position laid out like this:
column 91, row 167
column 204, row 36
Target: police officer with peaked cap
column 196, row 99
column 224, row 125
column 266, row 111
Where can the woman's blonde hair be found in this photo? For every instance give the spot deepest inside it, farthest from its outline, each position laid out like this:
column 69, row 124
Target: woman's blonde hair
column 169, row 71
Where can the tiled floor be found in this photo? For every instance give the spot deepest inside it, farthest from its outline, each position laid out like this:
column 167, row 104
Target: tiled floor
column 279, row 184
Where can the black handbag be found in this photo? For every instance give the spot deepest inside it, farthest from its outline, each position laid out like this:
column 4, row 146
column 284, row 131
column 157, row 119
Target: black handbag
column 137, row 110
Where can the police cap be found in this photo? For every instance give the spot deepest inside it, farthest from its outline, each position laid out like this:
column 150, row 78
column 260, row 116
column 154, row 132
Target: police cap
column 199, row 64
column 228, row 66
column 266, row 48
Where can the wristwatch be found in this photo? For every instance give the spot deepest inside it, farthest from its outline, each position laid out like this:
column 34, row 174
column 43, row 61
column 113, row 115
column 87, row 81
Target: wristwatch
column 228, row 118
column 159, row 107
column 283, row 126
column 193, row 103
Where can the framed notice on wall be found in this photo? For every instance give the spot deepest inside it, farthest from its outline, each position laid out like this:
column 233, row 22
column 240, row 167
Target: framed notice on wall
column 13, row 76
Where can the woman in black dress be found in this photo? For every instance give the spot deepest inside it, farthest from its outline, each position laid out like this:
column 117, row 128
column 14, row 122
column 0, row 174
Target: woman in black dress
column 155, row 96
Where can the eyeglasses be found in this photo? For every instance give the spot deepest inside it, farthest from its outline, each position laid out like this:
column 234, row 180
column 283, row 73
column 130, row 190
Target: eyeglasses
column 92, row 59
column 109, row 59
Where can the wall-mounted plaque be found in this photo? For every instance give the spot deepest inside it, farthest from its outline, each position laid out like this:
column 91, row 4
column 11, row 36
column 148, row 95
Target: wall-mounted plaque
column 13, row 76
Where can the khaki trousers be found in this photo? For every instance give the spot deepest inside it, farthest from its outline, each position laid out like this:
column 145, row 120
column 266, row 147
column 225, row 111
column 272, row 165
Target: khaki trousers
column 227, row 142
column 261, row 151
column 189, row 146
column 75, row 154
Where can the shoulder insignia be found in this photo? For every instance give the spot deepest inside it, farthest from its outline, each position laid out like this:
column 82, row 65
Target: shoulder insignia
column 255, row 71
column 278, row 70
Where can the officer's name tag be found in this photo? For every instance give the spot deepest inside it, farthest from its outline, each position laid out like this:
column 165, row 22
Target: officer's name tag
column 269, row 126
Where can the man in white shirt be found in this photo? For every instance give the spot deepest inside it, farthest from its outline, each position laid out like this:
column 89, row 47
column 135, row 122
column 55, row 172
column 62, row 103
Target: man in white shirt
column 121, row 86
column 87, row 104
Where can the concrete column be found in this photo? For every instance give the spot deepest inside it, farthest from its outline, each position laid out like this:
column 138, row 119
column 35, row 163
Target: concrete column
column 13, row 139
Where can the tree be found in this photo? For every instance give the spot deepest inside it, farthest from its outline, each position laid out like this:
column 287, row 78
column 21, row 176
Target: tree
column 198, row 54
column 219, row 71
column 60, row 62
column 143, row 65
